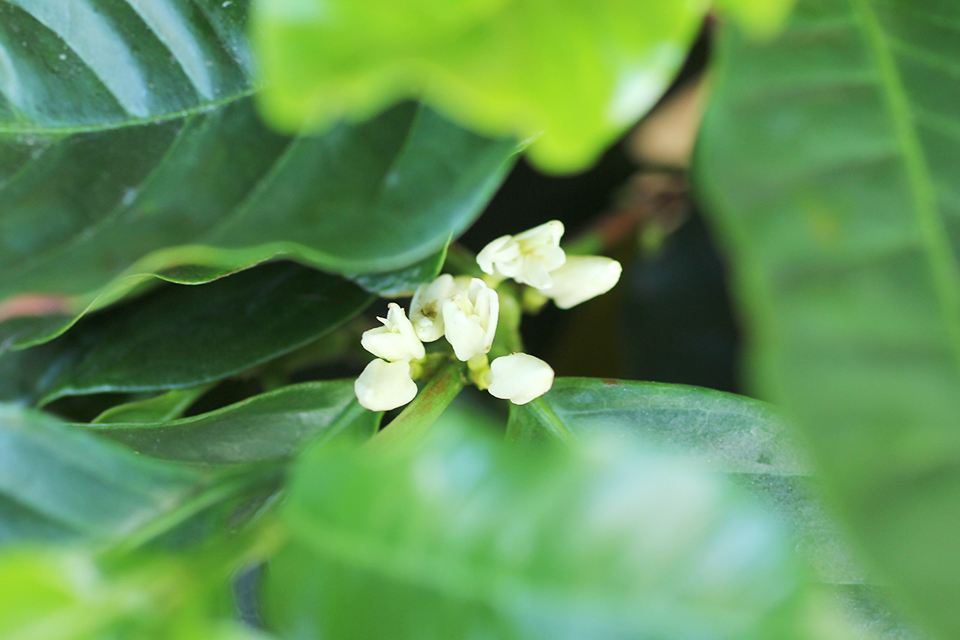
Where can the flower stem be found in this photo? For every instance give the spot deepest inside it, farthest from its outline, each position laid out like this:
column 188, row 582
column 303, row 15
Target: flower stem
column 409, row 427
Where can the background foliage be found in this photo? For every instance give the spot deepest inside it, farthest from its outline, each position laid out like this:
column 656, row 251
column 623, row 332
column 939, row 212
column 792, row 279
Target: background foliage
column 182, row 290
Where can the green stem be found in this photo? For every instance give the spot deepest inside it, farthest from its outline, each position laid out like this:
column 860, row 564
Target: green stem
column 412, row 423
column 550, row 421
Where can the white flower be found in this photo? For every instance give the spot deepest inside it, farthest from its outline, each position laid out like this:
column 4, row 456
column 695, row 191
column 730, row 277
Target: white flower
column 519, row 378
column 470, row 319
column 528, row 257
column 385, row 385
column 582, row 278
column 396, row 340
column 427, row 305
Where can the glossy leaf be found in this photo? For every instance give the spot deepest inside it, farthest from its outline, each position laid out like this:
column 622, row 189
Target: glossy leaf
column 268, row 427
column 129, row 146
column 182, row 336
column 57, row 484
column 830, row 157
column 161, row 408
column 467, row 538
column 402, row 282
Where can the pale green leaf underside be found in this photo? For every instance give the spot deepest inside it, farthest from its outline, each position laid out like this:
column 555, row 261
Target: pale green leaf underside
column 831, row 157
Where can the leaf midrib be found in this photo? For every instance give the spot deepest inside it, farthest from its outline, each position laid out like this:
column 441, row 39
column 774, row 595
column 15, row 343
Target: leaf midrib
column 940, row 255
column 130, row 122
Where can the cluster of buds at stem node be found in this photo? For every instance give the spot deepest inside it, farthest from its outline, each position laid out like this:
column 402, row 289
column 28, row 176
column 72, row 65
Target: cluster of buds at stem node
column 465, row 311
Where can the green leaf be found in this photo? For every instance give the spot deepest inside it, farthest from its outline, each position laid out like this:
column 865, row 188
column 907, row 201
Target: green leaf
column 720, row 432
column 830, row 157
column 161, row 408
column 190, row 335
column 57, row 594
column 58, row 484
column 129, row 146
column 575, row 73
column 469, row 538
column 402, row 282
column 763, row 18
column 268, row 427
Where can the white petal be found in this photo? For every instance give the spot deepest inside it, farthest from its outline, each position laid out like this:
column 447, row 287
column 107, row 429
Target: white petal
column 396, row 340
column 582, row 278
column 520, row 378
column 426, row 306
column 503, row 248
column 462, row 328
column 385, row 385
column 548, row 233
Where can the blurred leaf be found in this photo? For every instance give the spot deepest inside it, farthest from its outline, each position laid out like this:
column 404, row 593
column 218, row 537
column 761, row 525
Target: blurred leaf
column 162, row 408
column 762, row 18
column 183, row 336
column 270, row 426
column 67, row 595
column 467, row 538
column 573, row 74
column 716, row 431
column 831, row 159
column 129, row 147
column 57, row 484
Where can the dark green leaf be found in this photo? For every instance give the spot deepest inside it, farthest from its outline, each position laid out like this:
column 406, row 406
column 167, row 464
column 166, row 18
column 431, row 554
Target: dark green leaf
column 271, row 426
column 403, row 282
column 832, row 159
column 129, row 146
column 57, row 484
column 183, row 336
column 467, row 538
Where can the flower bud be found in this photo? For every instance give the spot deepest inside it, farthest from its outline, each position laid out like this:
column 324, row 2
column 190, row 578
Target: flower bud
column 582, row 278
column 385, row 385
column 396, row 340
column 519, row 378
column 528, row 257
column 427, row 305
column 470, row 319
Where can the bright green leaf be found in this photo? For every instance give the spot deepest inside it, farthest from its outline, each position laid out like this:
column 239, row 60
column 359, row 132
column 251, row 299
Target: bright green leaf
column 129, row 147
column 468, row 538
column 182, row 336
column 762, row 17
column 831, row 159
column 574, row 74
column 270, row 426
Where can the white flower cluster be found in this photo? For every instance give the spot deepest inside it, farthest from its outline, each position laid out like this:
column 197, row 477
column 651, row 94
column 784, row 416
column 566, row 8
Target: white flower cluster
column 535, row 258
column 465, row 311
